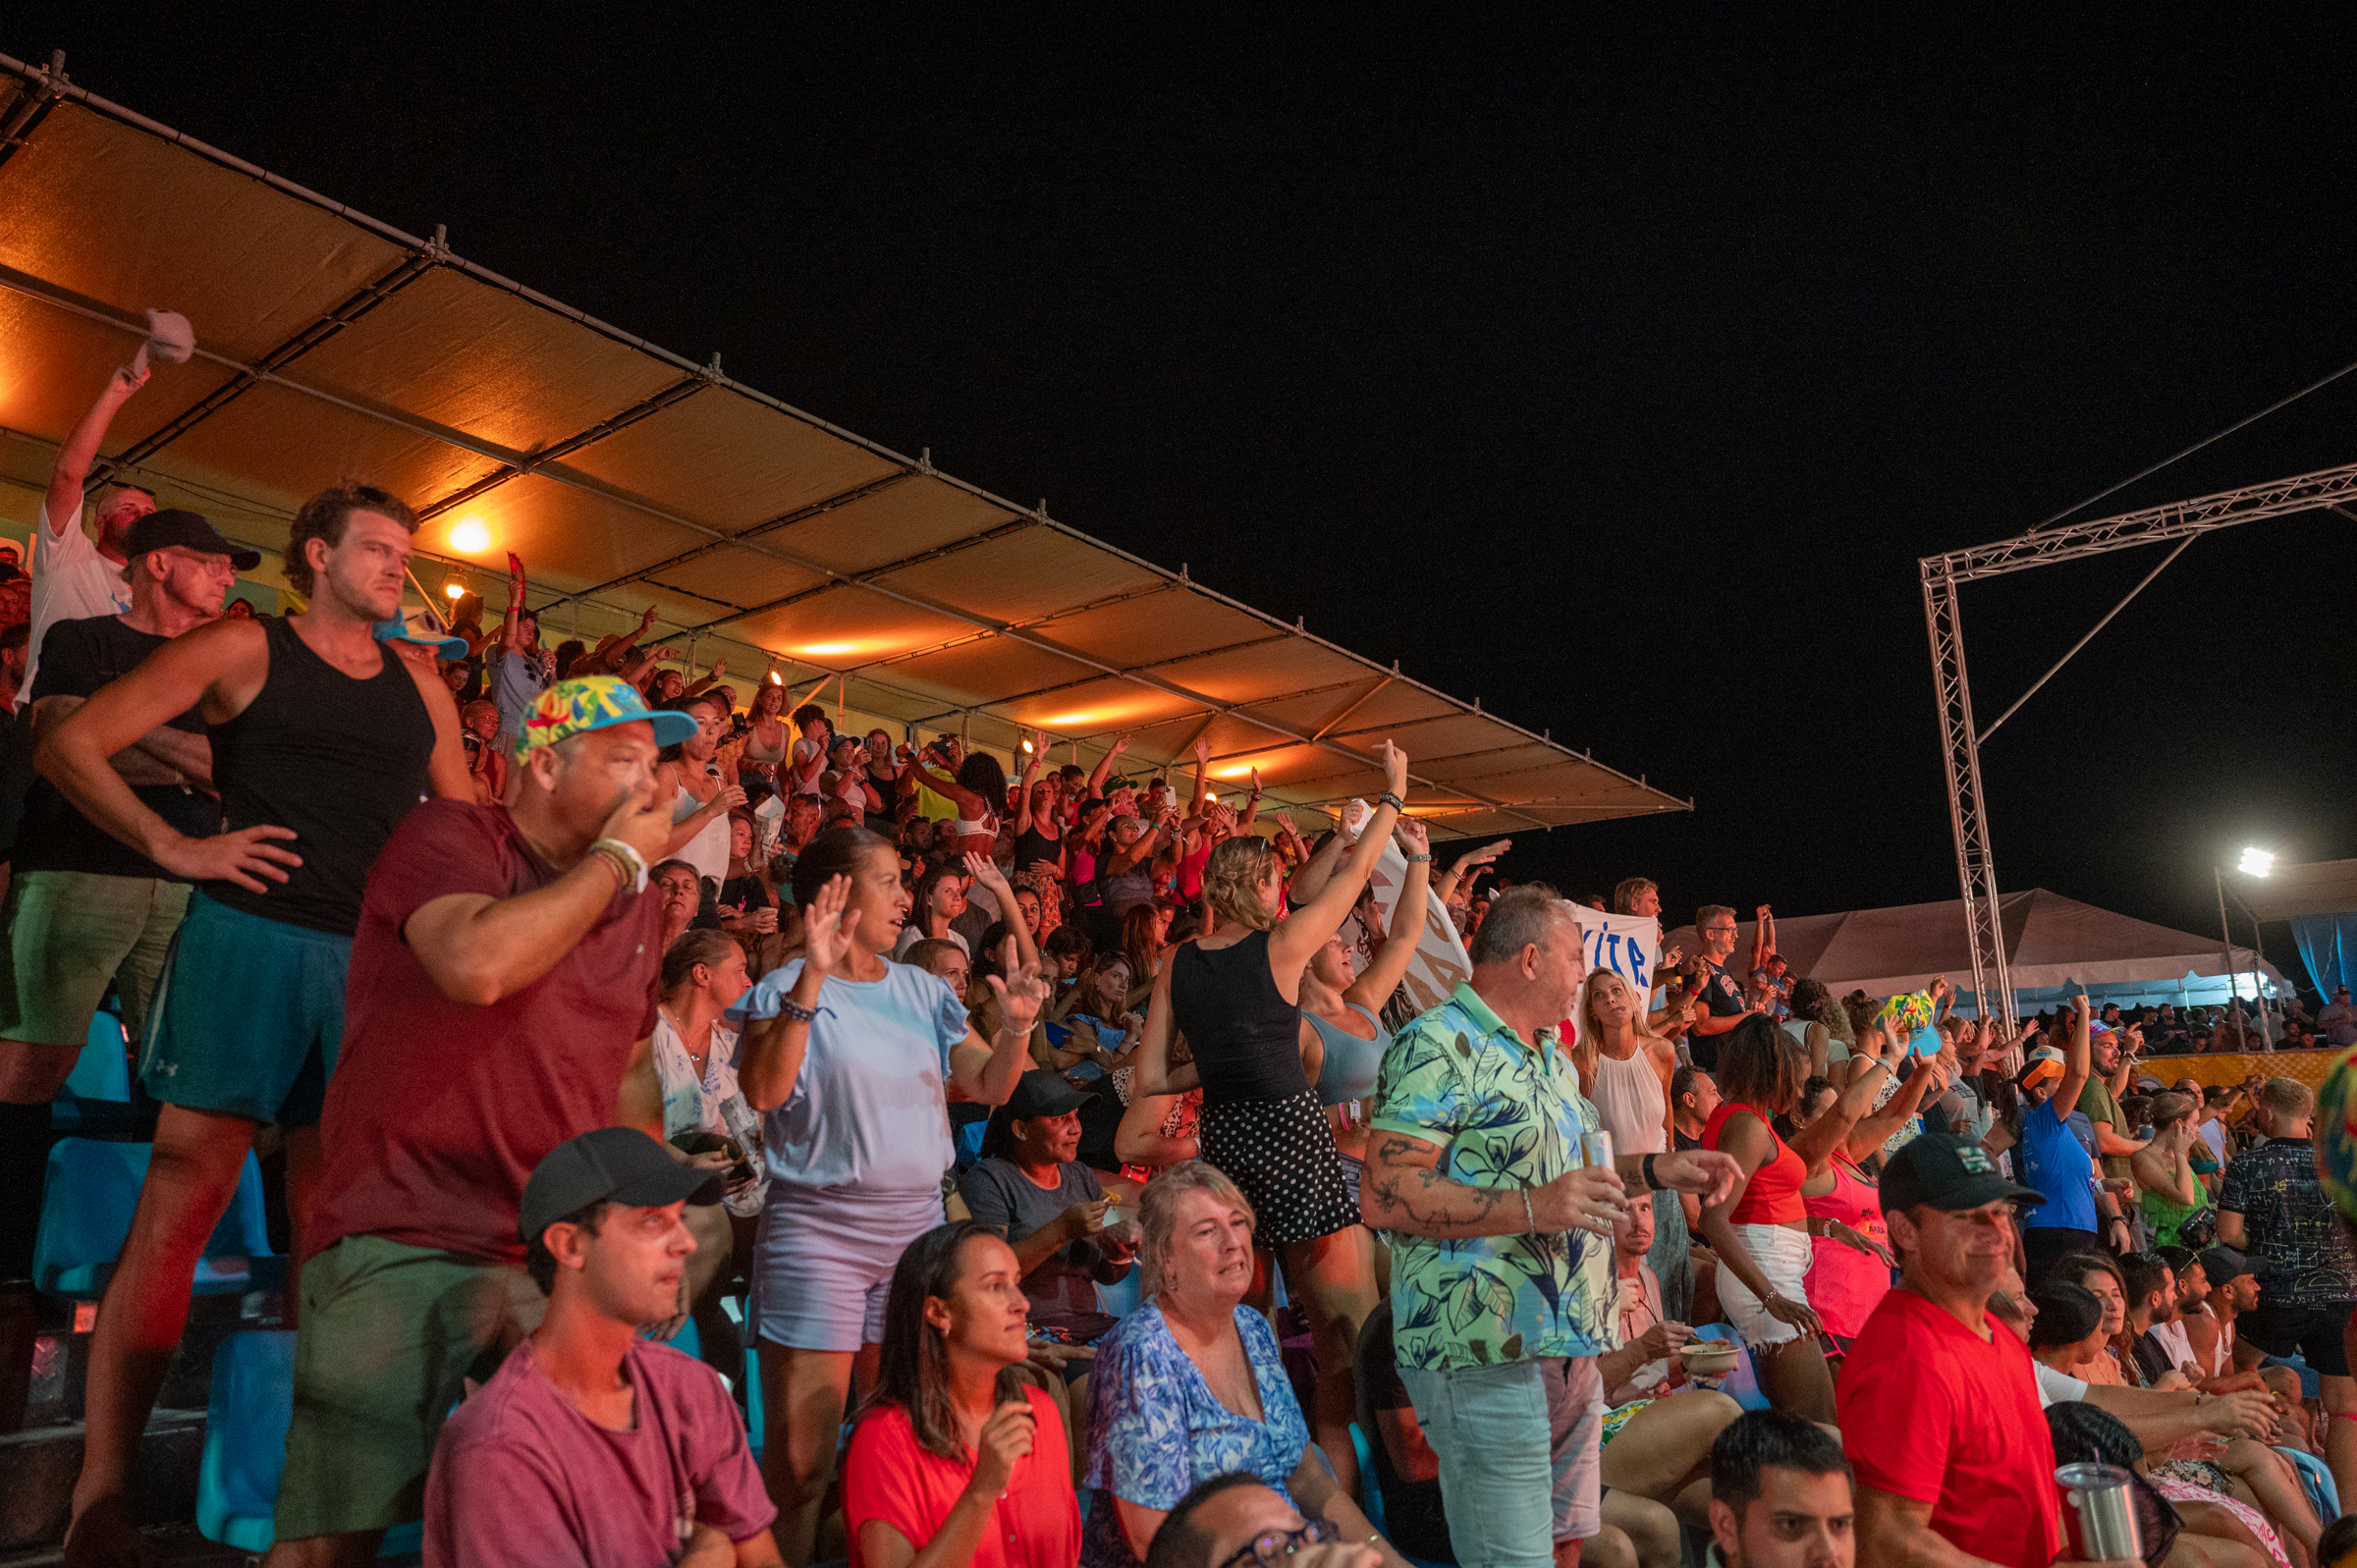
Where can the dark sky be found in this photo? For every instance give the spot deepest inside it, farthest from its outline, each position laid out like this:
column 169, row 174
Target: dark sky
column 1616, row 375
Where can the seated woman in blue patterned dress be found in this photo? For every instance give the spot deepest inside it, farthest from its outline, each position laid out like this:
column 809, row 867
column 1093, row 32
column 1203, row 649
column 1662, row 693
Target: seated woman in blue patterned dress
column 1190, row 1385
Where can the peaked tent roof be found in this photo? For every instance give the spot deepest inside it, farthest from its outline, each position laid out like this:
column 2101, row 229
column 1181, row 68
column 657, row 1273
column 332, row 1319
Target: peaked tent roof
column 2049, row 941
column 330, row 343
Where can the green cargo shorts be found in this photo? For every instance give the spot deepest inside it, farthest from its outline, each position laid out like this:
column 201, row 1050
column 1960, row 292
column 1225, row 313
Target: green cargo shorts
column 69, row 933
column 390, row 1334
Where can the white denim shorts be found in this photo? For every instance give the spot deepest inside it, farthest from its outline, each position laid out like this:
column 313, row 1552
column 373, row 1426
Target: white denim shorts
column 1783, row 1255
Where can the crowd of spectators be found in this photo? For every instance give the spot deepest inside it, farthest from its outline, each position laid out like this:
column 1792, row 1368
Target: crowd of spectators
column 991, row 1113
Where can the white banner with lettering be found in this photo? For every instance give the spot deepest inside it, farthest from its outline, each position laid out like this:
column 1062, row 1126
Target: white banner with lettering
column 1629, row 945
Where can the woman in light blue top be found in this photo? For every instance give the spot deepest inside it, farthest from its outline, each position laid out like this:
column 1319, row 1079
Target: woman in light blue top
column 851, row 1059
column 1342, row 1039
column 1190, row 1385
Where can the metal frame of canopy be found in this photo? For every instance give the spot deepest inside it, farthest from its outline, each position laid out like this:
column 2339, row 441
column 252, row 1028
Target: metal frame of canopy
column 1961, row 739
column 632, row 477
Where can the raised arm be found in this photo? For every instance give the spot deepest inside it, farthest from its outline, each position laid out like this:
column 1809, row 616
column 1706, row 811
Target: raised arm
column 993, row 881
column 1470, row 861
column 478, row 950
column 511, row 630
column 1374, row 988
column 1104, row 768
column 1763, row 938
column 72, row 467
column 1306, row 928
column 1311, row 877
column 1816, row 1142
column 985, row 1071
column 1030, row 779
column 2075, row 1062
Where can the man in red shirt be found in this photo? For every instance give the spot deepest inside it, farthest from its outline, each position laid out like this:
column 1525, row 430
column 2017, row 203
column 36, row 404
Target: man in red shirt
column 504, row 972
column 1937, row 1403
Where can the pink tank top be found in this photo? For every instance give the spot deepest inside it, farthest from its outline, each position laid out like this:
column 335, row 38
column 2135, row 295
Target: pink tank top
column 1844, row 1283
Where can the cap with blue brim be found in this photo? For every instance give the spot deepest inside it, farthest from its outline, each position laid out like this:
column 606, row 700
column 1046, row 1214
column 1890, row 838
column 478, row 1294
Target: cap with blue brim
column 421, row 630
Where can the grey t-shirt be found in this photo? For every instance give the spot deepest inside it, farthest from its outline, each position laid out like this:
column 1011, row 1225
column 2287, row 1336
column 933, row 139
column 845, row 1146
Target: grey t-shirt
column 1062, row 1293
column 515, row 684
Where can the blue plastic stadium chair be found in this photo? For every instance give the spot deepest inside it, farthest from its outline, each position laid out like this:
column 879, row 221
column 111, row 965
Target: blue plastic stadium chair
column 1368, row 1484
column 246, row 1445
column 1743, row 1386
column 102, row 1075
column 1372, row 1488
column 1119, row 1300
column 2316, row 1481
column 85, row 1213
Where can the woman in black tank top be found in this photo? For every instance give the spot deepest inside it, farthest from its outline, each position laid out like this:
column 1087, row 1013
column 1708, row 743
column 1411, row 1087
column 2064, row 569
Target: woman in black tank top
column 1236, row 996
column 1036, row 812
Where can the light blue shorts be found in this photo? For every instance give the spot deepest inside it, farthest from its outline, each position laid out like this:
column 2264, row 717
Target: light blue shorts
column 248, row 1016
column 1521, row 1452
column 823, row 1260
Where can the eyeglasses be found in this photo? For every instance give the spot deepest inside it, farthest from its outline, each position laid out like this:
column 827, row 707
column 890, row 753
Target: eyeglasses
column 1271, row 1547
column 1717, row 931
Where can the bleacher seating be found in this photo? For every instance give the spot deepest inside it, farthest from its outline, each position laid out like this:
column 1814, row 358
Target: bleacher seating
column 246, row 1444
column 1743, row 1386
column 93, row 1190
column 98, row 1090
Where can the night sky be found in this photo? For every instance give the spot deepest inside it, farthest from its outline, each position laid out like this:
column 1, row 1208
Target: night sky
column 1614, row 375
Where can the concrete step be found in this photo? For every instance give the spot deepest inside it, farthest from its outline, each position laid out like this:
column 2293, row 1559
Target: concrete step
column 37, row 1468
column 174, row 1544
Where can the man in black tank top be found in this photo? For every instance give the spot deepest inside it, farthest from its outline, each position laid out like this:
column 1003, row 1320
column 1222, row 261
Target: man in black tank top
column 322, row 738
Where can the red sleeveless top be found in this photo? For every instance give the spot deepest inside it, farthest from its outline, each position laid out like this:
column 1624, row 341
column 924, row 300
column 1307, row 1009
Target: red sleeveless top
column 1772, row 1196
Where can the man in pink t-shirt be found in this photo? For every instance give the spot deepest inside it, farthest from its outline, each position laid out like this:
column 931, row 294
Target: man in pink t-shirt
column 591, row 1446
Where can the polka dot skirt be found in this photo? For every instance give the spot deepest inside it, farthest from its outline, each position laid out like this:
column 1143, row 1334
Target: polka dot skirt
column 1280, row 1153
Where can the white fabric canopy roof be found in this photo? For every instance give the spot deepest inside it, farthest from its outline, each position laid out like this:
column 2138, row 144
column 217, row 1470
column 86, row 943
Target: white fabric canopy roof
column 2049, row 941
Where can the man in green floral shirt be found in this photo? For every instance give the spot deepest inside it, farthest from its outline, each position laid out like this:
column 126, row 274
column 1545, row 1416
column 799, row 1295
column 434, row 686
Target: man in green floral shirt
column 1500, row 1286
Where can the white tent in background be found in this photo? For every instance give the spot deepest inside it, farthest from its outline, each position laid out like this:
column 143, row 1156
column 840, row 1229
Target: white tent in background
column 2052, row 945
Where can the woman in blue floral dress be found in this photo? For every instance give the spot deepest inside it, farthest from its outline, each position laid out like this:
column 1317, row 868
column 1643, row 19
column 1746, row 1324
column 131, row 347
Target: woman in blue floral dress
column 1190, row 1385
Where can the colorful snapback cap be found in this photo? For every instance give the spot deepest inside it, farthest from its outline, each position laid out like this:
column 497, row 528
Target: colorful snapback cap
column 597, row 702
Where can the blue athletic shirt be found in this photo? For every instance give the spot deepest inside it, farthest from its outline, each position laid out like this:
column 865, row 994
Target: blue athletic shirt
column 2055, row 1162
column 868, row 1111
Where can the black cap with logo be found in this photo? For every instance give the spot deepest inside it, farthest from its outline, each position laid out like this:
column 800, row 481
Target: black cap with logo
column 618, row 1165
column 1946, row 1172
column 189, row 530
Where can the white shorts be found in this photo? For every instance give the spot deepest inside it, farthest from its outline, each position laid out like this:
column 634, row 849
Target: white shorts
column 1783, row 1255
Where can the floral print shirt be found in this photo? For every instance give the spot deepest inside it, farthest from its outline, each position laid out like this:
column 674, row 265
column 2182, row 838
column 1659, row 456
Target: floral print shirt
column 1154, row 1427
column 1507, row 1113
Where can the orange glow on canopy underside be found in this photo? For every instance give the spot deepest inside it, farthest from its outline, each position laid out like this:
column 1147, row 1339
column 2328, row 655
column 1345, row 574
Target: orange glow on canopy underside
column 469, row 536
column 823, row 650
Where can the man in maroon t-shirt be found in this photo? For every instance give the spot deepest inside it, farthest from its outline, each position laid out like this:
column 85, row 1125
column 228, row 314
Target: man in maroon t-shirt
column 503, row 971
column 1938, row 1404
column 591, row 1445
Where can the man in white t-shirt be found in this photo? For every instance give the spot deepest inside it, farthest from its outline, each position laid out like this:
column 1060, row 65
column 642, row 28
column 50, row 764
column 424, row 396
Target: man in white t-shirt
column 73, row 577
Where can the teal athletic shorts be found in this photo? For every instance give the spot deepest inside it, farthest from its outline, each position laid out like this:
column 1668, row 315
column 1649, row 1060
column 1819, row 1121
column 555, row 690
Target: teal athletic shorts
column 247, row 1017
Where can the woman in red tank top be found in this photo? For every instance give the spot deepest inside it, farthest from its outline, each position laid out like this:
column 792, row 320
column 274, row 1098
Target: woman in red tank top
column 1761, row 1235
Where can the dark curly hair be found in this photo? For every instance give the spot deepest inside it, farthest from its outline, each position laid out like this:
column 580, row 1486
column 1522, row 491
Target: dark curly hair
column 326, row 516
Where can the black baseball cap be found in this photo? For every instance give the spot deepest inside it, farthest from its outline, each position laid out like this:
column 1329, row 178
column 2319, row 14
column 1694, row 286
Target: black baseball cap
column 2222, row 1264
column 1042, row 1092
column 190, row 531
column 618, row 1165
column 1946, row 1172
